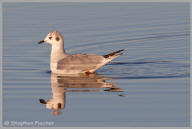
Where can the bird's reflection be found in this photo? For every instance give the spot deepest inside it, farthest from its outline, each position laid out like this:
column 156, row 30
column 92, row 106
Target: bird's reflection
column 79, row 83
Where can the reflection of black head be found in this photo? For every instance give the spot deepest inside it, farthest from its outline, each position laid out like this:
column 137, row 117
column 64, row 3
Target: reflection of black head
column 55, row 112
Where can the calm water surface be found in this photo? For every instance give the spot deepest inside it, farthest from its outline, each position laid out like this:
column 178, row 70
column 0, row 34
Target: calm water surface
column 146, row 86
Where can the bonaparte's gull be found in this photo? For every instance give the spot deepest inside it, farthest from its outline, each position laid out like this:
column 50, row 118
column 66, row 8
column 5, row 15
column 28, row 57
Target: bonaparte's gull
column 63, row 63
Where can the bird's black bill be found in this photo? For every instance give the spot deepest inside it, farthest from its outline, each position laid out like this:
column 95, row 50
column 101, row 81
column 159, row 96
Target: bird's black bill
column 42, row 101
column 40, row 42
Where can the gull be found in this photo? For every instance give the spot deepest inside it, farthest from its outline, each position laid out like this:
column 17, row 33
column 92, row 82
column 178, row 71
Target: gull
column 64, row 63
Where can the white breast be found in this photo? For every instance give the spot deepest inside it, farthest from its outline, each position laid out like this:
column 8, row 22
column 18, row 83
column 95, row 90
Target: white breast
column 53, row 67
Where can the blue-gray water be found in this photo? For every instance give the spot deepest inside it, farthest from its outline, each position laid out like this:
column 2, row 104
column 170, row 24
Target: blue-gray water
column 151, row 77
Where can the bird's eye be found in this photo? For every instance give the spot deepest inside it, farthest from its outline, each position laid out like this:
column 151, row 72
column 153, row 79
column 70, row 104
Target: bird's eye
column 50, row 38
column 57, row 38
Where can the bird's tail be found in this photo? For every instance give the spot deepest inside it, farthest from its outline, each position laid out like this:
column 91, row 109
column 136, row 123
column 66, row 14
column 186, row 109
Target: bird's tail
column 114, row 54
column 109, row 57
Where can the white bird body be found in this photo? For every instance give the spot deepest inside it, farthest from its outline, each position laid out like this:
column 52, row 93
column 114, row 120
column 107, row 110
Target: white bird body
column 63, row 63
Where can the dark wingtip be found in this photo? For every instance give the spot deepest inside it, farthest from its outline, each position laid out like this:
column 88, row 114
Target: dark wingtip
column 121, row 50
column 113, row 53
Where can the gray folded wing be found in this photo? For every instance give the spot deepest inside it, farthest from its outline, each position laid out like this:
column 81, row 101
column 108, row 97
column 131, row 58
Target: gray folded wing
column 82, row 62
